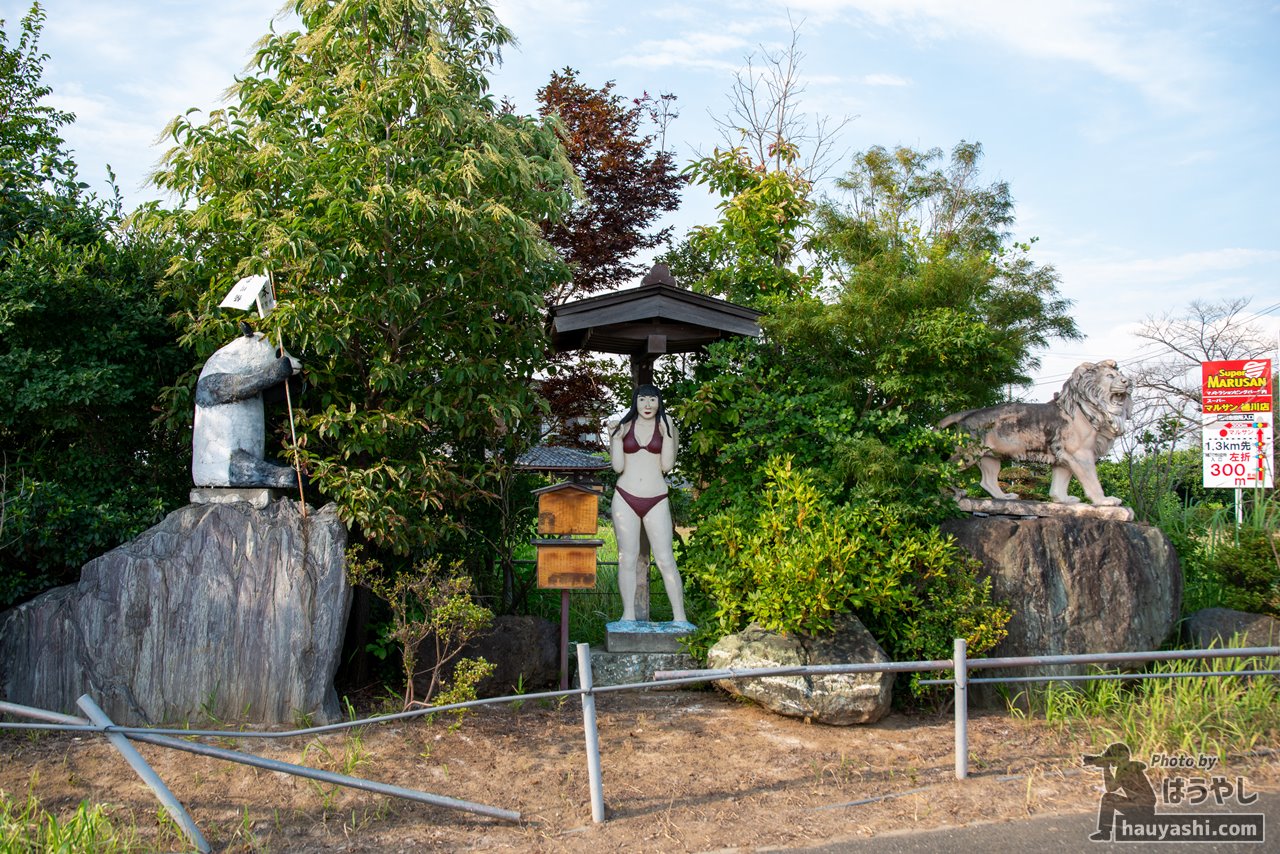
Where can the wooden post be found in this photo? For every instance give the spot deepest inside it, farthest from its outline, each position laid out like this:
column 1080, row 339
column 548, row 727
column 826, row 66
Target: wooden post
column 564, row 640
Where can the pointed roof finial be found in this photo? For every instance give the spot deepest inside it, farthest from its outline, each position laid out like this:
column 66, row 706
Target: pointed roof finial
column 659, row 275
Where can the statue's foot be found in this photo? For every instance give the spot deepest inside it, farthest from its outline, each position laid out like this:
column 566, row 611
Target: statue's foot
column 1065, row 499
column 1108, row 501
column 998, row 495
column 249, row 471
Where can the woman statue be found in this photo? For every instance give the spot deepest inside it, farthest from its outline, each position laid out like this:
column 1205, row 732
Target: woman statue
column 643, row 447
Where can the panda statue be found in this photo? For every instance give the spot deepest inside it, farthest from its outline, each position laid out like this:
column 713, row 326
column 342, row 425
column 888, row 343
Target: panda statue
column 229, row 441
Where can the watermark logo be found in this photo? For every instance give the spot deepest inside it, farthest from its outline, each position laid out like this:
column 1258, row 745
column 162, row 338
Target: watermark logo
column 1133, row 808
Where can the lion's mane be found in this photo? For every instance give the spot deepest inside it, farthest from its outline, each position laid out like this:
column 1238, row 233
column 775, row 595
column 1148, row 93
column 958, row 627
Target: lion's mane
column 1090, row 393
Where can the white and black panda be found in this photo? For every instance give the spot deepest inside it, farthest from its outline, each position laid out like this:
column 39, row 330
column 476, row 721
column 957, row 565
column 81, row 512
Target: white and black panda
column 229, row 442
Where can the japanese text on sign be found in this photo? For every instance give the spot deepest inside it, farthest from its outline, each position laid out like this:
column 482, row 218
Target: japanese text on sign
column 1238, row 442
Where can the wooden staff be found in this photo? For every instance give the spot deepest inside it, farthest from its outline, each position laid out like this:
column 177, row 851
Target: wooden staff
column 288, row 399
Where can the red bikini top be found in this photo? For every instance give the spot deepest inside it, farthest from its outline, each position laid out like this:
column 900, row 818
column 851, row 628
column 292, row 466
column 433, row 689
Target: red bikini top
column 630, row 445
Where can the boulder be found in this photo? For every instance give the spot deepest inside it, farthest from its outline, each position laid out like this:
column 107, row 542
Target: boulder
column 1075, row 584
column 1216, row 627
column 841, row 699
column 221, row 611
column 524, row 650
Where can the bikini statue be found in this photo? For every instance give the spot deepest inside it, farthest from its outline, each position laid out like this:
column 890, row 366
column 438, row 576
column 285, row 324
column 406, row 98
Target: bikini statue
column 643, row 447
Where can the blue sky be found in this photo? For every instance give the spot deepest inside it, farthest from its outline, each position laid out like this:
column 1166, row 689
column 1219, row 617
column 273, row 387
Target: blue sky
column 1139, row 138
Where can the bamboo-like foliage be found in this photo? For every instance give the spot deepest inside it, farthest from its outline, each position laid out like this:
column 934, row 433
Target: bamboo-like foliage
column 364, row 162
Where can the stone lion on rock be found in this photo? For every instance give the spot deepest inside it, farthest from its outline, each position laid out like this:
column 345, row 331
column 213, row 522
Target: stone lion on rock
column 1069, row 433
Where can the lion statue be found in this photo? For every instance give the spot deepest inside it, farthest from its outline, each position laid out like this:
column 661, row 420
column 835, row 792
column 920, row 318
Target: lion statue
column 1070, row 432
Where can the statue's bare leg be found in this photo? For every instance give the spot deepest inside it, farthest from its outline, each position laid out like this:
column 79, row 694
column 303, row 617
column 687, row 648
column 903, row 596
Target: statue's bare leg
column 1058, row 484
column 1085, row 468
column 661, row 533
column 990, row 468
column 641, row 597
column 626, row 527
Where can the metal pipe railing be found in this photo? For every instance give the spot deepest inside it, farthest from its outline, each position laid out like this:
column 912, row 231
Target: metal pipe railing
column 959, row 664
column 103, row 725
column 148, row 775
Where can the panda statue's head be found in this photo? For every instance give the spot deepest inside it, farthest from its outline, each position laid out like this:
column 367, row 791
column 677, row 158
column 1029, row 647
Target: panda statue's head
column 249, row 351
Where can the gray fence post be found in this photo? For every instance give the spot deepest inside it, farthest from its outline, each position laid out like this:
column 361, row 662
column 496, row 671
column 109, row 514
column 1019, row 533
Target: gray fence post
column 592, row 734
column 961, row 664
column 145, row 771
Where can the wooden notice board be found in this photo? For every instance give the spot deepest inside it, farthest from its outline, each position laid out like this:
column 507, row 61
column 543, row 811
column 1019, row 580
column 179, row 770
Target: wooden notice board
column 568, row 508
column 567, row 564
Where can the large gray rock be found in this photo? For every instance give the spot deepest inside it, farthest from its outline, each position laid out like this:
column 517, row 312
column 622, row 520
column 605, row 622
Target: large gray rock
column 221, row 610
column 1217, row 627
column 842, row 699
column 1075, row 584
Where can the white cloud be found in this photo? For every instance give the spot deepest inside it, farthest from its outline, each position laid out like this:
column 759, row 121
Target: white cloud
column 1216, row 263
column 1111, row 292
column 526, row 16
column 693, row 51
column 1100, row 34
column 883, row 80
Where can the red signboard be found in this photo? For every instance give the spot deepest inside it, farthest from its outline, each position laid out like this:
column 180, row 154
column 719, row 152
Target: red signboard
column 1237, row 385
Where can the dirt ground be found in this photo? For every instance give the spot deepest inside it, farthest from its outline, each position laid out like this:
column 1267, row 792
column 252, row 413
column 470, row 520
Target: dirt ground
column 682, row 771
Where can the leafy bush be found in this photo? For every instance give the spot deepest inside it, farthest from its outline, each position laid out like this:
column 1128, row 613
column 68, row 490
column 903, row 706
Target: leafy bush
column 85, row 350
column 1249, row 568
column 1225, row 565
column 800, row 560
column 429, row 604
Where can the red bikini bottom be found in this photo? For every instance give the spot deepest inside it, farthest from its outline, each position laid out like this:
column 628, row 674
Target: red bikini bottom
column 641, row 506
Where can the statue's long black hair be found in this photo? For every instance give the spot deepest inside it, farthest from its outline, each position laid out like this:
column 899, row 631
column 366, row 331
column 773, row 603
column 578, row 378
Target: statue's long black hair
column 634, row 412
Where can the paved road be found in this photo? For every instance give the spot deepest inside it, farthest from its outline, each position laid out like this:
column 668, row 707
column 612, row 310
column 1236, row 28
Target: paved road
column 1049, row 834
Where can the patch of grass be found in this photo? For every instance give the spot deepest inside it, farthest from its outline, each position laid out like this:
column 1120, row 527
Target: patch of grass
column 27, row 826
column 1215, row 715
column 347, row 760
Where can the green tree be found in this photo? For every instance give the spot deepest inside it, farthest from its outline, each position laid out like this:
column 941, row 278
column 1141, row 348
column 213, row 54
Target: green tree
column 364, row 162
column 930, row 309
column 764, row 176
column 85, row 349
column 39, row 188
column 749, row 255
column 933, row 307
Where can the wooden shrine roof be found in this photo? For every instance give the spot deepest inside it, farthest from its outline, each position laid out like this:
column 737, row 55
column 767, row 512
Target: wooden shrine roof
column 658, row 316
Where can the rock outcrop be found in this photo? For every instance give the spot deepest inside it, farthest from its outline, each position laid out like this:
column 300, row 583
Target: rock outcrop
column 221, row 611
column 1075, row 584
column 1219, row 627
column 841, row 698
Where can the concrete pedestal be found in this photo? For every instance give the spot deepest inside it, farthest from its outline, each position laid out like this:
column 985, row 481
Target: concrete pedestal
column 258, row 497
column 645, row 636
column 630, row 668
column 639, row 648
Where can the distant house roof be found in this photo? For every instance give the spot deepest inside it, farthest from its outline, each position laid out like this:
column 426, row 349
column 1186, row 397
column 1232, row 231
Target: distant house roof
column 654, row 318
column 556, row 458
column 589, row 488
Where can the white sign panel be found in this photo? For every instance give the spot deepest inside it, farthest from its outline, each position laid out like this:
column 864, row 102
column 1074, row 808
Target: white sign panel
column 245, row 292
column 1238, row 450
